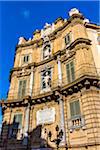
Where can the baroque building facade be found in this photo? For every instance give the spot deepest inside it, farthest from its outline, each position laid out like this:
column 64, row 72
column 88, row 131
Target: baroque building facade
column 55, row 81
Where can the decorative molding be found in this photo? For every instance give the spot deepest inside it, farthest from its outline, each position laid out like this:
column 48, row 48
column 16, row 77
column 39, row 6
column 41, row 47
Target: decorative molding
column 69, row 54
column 24, row 72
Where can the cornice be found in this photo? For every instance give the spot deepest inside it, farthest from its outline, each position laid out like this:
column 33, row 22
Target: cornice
column 44, row 61
column 92, row 26
column 79, row 41
column 19, row 69
column 86, row 81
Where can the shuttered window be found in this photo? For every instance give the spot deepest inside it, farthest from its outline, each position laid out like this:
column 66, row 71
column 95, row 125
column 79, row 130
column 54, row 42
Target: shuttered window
column 22, row 88
column 75, row 108
column 70, row 72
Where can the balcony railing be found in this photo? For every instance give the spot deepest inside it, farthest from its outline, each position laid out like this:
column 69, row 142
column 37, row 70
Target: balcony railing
column 85, row 69
column 76, row 122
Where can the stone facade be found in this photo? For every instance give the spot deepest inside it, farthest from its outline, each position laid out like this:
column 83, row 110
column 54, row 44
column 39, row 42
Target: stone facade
column 55, row 81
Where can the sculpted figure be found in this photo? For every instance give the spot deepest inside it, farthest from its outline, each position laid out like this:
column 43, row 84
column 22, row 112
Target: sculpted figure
column 47, row 80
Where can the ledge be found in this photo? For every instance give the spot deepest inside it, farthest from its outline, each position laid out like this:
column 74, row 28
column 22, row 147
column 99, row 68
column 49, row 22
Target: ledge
column 92, row 25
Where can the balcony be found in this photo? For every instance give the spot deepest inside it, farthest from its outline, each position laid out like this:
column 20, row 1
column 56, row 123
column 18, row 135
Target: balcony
column 85, row 70
column 76, row 123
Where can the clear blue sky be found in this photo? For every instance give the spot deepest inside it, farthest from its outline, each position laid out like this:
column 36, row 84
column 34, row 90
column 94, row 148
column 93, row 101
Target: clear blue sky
column 22, row 18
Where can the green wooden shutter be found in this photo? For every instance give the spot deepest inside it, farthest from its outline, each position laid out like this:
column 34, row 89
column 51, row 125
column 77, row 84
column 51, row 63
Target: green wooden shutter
column 24, row 88
column 74, row 108
column 68, row 73
column 20, row 89
column 72, row 71
column 77, row 108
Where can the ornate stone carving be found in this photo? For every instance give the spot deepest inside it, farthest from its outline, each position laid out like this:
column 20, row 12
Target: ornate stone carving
column 46, row 116
column 46, row 47
column 48, row 28
column 69, row 53
column 21, row 41
column 47, row 80
column 73, row 11
column 23, row 72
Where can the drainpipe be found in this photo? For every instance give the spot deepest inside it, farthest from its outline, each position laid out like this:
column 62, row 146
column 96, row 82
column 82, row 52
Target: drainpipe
column 61, row 100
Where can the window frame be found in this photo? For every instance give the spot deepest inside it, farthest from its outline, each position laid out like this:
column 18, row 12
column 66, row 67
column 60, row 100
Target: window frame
column 75, row 115
column 12, row 128
column 16, row 114
column 20, row 89
column 71, row 75
column 68, row 42
column 26, row 58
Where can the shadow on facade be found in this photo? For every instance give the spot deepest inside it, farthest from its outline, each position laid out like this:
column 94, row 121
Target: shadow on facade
column 34, row 141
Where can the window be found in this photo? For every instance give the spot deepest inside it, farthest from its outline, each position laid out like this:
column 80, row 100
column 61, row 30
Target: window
column 26, row 59
column 46, row 51
column 77, row 120
column 68, row 39
column 17, row 125
column 70, row 72
column 46, row 78
column 74, row 109
column 22, row 88
column 18, row 120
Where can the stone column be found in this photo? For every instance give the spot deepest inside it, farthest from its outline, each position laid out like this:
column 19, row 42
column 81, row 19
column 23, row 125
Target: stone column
column 31, row 81
column 61, row 99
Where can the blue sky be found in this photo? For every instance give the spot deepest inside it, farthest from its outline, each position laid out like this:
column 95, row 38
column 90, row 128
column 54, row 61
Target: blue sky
column 23, row 18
